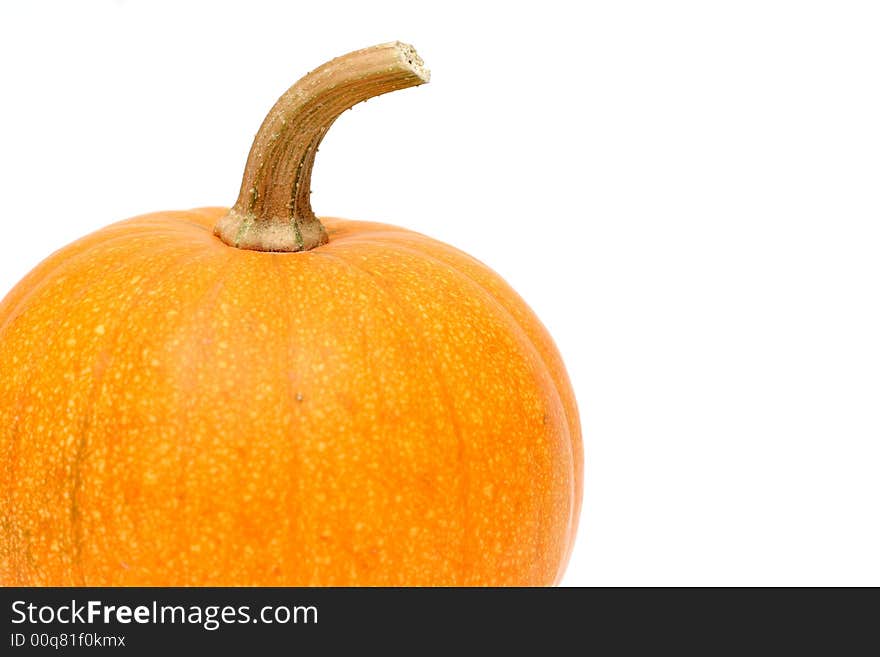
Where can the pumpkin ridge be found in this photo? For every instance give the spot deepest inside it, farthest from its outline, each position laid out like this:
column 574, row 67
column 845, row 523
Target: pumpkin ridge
column 94, row 394
column 281, row 274
column 530, row 346
column 13, row 441
column 429, row 256
column 571, row 423
column 54, row 330
column 413, row 248
column 208, row 299
column 445, row 400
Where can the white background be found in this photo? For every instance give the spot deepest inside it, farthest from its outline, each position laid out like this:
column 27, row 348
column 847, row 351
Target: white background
column 687, row 193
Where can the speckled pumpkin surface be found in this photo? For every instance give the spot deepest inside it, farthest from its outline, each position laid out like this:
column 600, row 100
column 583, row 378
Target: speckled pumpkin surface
column 379, row 409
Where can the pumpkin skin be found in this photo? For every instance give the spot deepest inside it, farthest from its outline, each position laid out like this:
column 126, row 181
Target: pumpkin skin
column 380, row 410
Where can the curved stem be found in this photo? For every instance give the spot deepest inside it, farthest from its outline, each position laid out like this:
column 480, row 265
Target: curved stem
column 273, row 211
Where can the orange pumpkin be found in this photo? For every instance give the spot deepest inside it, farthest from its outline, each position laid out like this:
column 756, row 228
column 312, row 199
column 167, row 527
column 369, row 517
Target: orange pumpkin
column 256, row 397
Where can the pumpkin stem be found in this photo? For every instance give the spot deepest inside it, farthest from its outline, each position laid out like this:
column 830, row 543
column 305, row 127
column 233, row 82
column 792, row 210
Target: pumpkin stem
column 273, row 211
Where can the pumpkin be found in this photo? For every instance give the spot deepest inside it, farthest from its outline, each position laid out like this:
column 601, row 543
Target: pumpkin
column 255, row 396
